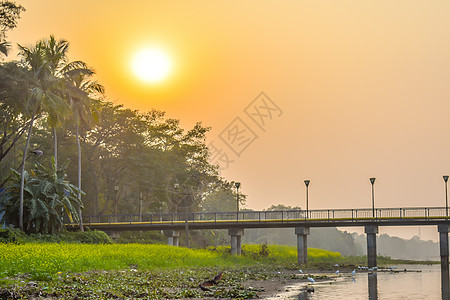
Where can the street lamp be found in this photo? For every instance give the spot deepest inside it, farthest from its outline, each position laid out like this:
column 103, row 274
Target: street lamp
column 307, row 181
column 446, row 198
column 116, row 196
column 372, row 181
column 237, row 185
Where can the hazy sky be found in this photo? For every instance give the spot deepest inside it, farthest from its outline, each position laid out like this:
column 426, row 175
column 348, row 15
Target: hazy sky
column 359, row 89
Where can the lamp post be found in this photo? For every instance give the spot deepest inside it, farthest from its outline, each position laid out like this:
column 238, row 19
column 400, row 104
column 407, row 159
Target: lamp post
column 372, row 181
column 116, row 196
column 446, row 198
column 175, row 196
column 307, row 181
column 237, row 185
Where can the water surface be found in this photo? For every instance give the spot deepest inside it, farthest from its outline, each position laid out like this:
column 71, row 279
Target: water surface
column 424, row 285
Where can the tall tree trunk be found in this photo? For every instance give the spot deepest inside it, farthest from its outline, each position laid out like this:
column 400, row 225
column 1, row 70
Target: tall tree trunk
column 140, row 201
column 95, row 187
column 55, row 148
column 79, row 178
column 22, row 172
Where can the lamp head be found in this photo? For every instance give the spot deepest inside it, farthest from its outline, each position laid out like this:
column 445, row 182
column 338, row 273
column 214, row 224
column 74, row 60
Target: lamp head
column 176, row 186
column 445, row 178
column 372, row 180
column 237, row 184
column 307, row 181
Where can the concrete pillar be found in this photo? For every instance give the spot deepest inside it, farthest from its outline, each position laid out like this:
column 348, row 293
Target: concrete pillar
column 172, row 237
column 443, row 243
column 236, row 234
column 302, row 244
column 371, row 232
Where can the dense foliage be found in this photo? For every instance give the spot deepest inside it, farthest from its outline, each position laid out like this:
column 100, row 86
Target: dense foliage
column 49, row 200
column 16, row 236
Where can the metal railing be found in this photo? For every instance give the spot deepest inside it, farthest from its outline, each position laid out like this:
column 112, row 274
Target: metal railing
column 323, row 215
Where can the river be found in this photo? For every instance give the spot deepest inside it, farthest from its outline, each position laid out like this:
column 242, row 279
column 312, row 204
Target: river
column 424, row 285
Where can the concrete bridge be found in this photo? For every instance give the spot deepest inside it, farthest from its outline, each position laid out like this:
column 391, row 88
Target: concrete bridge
column 301, row 220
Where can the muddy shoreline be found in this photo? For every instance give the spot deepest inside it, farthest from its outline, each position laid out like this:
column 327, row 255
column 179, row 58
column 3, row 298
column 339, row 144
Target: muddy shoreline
column 242, row 283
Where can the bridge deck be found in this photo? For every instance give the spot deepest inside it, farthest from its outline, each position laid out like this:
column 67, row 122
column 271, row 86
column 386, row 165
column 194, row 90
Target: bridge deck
column 270, row 219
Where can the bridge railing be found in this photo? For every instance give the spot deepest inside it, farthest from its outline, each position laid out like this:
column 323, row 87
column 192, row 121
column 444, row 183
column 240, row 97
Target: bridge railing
column 329, row 215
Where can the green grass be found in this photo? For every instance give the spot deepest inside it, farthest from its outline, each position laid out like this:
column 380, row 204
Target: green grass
column 44, row 261
column 280, row 253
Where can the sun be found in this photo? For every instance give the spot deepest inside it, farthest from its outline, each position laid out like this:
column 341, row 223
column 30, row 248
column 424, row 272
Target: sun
column 151, row 65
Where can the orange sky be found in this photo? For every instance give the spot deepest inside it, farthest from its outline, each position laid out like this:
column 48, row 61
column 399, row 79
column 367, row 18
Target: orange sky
column 363, row 87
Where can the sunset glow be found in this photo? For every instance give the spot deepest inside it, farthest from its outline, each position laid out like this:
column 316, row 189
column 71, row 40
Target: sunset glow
column 358, row 89
column 151, row 65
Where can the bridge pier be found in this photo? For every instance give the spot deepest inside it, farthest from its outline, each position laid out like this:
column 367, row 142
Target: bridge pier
column 302, row 244
column 236, row 234
column 172, row 237
column 443, row 245
column 371, row 232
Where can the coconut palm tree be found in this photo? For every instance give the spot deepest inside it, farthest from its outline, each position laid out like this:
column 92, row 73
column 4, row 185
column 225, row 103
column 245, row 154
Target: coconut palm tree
column 79, row 89
column 42, row 99
column 55, row 54
column 4, row 48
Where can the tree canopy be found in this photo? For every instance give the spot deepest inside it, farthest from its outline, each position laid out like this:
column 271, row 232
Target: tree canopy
column 133, row 162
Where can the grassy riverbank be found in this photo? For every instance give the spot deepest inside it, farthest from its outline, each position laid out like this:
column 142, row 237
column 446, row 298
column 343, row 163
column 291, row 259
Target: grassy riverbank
column 44, row 261
column 106, row 271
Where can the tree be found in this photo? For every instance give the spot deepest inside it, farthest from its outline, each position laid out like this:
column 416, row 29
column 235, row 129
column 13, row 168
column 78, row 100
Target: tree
column 47, row 194
column 9, row 14
column 15, row 84
column 223, row 198
column 281, row 207
column 55, row 57
column 41, row 98
column 79, row 89
column 4, row 47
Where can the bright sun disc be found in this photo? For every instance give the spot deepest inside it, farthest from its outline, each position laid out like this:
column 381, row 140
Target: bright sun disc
column 151, row 65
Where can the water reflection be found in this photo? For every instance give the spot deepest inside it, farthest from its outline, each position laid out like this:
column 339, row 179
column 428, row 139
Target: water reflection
column 419, row 282
column 445, row 282
column 373, row 286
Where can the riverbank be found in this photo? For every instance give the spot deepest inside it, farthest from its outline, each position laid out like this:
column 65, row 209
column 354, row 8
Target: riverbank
column 242, row 283
column 135, row 271
column 238, row 282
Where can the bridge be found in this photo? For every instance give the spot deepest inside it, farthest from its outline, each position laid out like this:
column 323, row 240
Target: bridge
column 270, row 219
column 301, row 220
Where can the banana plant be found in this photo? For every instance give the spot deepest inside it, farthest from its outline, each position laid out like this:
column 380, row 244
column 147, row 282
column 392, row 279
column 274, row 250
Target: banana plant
column 50, row 200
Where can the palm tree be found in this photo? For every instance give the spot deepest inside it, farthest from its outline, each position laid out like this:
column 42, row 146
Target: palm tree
column 4, row 48
column 42, row 99
column 55, row 53
column 79, row 89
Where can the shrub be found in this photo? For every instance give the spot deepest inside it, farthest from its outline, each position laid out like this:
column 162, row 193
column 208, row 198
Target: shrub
column 16, row 236
column 10, row 235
